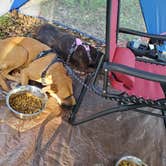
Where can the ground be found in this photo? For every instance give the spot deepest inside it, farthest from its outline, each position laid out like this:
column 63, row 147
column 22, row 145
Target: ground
column 51, row 140
column 90, row 19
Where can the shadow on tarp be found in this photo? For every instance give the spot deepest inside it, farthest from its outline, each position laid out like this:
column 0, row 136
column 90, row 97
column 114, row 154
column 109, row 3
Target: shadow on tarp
column 50, row 140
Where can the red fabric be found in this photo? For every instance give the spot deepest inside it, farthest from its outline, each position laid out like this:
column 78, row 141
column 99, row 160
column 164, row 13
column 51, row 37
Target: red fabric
column 125, row 56
column 145, row 88
column 140, row 87
column 113, row 21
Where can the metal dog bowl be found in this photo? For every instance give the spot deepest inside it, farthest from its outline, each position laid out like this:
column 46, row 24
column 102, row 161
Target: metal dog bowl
column 132, row 159
column 34, row 91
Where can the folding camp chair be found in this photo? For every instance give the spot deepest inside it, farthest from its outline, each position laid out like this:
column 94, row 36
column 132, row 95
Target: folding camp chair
column 140, row 81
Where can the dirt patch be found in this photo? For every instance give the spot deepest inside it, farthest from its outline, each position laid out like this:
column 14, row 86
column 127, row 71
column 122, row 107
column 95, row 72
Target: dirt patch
column 15, row 24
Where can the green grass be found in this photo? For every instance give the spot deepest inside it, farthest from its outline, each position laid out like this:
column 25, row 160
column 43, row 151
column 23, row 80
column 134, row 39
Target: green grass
column 5, row 20
column 85, row 15
column 86, row 4
column 88, row 15
column 131, row 17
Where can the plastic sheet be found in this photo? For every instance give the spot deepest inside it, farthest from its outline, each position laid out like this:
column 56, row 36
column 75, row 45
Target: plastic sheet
column 51, row 140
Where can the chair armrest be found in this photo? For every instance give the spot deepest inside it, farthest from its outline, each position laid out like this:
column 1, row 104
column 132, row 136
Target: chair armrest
column 134, row 72
column 142, row 34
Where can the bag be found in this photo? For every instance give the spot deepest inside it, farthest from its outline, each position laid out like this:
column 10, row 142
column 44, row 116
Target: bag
column 142, row 49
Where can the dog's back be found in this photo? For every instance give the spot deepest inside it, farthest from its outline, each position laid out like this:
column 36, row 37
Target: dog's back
column 47, row 34
column 59, row 41
column 17, row 53
column 32, row 46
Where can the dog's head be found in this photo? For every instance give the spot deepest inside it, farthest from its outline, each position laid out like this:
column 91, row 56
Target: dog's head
column 60, row 86
column 83, row 56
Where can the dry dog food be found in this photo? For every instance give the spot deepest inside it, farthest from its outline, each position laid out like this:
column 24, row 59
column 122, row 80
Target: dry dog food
column 127, row 163
column 25, row 102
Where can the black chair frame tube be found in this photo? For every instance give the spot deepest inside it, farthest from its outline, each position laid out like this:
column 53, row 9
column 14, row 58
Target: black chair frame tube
column 142, row 34
column 109, row 66
column 121, row 108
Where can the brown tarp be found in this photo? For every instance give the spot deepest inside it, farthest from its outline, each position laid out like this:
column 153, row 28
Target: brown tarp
column 49, row 140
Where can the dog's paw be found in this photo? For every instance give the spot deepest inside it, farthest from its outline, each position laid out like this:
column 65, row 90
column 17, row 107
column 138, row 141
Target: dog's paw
column 13, row 85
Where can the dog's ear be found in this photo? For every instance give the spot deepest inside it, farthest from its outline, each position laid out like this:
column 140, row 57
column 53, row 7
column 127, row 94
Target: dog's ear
column 95, row 55
column 93, row 52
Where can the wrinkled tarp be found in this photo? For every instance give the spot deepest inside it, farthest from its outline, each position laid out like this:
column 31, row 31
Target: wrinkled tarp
column 50, row 140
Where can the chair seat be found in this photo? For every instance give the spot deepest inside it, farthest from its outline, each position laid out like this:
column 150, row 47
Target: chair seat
column 140, row 87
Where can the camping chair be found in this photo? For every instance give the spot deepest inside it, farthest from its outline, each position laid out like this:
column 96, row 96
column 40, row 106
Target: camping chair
column 141, row 82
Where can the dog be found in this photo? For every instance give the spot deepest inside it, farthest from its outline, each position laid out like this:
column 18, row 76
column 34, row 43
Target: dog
column 20, row 53
column 70, row 48
column 17, row 52
column 57, row 83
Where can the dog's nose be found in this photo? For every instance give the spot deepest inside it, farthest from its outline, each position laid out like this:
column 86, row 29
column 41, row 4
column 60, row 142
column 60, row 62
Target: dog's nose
column 69, row 102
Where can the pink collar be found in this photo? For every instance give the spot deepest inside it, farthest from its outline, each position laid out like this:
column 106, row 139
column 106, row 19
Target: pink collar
column 79, row 42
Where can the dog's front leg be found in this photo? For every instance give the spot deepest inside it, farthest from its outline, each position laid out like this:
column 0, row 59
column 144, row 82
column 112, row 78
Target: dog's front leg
column 3, row 84
column 6, row 75
column 24, row 77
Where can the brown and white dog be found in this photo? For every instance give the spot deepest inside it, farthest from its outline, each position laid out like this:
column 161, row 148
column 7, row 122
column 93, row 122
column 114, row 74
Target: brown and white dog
column 69, row 47
column 20, row 53
column 58, row 83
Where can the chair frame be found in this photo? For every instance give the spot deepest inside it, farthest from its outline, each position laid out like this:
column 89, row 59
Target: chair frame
column 126, row 102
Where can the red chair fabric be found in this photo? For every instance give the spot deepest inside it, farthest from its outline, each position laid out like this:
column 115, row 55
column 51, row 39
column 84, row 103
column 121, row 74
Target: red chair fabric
column 121, row 57
column 133, row 85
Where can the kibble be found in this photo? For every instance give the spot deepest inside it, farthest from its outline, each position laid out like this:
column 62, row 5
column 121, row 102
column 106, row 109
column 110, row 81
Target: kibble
column 25, row 102
column 127, row 163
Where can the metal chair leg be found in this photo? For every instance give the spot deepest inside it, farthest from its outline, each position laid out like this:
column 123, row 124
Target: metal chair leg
column 79, row 101
column 105, row 112
column 164, row 114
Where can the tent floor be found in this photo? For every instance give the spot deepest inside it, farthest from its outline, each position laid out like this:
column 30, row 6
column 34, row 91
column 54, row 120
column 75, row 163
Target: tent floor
column 50, row 140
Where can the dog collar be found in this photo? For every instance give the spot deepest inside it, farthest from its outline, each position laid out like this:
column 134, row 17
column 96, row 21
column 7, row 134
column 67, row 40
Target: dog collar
column 74, row 47
column 55, row 60
column 43, row 53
